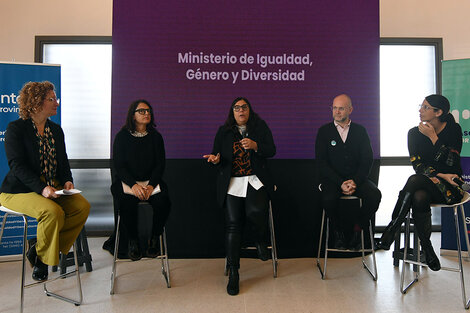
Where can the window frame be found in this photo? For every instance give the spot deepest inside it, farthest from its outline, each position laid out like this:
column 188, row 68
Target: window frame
column 415, row 41
column 40, row 41
column 438, row 50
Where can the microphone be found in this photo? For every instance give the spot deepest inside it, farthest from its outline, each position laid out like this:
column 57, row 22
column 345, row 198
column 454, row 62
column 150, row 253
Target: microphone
column 244, row 135
column 461, row 183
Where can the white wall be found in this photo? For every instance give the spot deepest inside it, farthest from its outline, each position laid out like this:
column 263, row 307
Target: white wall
column 21, row 20
column 448, row 19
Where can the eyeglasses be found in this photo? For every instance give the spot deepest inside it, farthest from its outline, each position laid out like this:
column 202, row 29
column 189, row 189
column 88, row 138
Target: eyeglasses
column 341, row 109
column 143, row 111
column 426, row 107
column 237, row 108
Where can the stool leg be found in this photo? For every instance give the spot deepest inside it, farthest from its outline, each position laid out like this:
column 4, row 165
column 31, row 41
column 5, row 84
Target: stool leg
column 23, row 263
column 319, row 245
column 405, row 260
column 326, row 247
column 416, row 249
column 3, row 226
column 85, row 250
column 273, row 240
column 226, row 267
column 79, row 284
column 466, row 303
column 164, row 257
column 116, row 251
column 462, row 211
column 371, row 237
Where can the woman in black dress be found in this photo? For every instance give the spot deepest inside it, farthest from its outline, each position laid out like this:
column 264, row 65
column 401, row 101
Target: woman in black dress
column 139, row 162
column 434, row 147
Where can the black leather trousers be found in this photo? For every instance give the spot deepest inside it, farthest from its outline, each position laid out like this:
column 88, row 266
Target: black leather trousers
column 254, row 210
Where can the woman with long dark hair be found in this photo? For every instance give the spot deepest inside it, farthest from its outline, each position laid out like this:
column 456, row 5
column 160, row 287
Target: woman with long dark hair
column 241, row 148
column 434, row 147
column 139, row 162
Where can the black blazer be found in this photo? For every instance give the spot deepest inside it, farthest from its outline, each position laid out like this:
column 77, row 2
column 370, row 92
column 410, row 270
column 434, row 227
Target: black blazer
column 339, row 161
column 223, row 144
column 22, row 151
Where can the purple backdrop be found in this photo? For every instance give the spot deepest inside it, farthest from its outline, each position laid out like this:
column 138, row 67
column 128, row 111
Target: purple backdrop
column 339, row 38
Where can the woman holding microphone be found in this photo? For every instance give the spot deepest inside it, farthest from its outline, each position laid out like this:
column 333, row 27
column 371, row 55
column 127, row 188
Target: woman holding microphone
column 241, row 148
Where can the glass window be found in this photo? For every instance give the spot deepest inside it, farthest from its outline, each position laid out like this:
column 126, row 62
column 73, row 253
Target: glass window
column 86, row 97
column 407, row 75
column 409, row 71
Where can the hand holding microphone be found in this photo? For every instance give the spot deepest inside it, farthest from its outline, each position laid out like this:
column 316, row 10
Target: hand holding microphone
column 462, row 184
column 247, row 143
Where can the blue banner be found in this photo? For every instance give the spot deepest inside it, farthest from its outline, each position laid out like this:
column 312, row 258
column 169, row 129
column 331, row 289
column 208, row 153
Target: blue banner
column 12, row 78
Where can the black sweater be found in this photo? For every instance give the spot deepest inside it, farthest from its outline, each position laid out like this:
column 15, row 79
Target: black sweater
column 339, row 161
column 431, row 159
column 139, row 158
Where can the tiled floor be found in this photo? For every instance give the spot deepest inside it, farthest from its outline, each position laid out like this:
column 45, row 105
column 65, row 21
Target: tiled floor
column 198, row 285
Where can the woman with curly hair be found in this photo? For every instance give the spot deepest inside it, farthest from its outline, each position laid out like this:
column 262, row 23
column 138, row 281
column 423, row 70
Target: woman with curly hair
column 35, row 150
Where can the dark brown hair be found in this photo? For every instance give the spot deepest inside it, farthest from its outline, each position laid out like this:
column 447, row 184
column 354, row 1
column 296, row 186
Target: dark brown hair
column 130, row 122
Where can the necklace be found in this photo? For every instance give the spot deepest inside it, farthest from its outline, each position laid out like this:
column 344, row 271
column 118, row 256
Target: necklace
column 139, row 134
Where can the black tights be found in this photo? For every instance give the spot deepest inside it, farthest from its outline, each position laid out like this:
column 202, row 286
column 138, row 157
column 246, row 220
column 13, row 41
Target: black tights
column 423, row 192
column 254, row 209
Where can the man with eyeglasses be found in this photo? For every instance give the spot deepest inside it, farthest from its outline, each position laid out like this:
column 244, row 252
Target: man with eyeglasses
column 344, row 158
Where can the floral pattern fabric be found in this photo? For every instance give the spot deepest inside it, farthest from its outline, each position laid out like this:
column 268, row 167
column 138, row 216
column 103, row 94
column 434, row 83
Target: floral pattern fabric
column 47, row 154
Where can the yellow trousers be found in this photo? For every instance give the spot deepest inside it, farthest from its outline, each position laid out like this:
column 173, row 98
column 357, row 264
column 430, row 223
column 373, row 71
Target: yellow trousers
column 59, row 220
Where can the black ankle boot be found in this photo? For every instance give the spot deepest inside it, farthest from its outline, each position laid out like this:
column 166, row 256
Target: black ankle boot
column 134, row 250
column 355, row 243
column 40, row 271
column 339, row 242
column 431, row 258
column 400, row 211
column 262, row 250
column 31, row 254
column 153, row 249
column 233, row 282
column 424, row 227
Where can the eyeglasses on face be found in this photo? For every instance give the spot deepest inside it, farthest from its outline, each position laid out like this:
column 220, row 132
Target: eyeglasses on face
column 427, row 107
column 341, row 109
column 243, row 107
column 143, row 111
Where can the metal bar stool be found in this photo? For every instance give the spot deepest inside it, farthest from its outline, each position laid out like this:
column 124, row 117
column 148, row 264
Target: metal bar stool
column 363, row 250
column 412, row 251
column 459, row 269
column 83, row 251
column 23, row 284
column 272, row 246
column 163, row 254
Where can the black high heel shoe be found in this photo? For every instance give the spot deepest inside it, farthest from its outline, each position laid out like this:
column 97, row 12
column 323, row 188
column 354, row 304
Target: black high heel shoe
column 233, row 287
column 134, row 250
column 153, row 249
column 40, row 271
